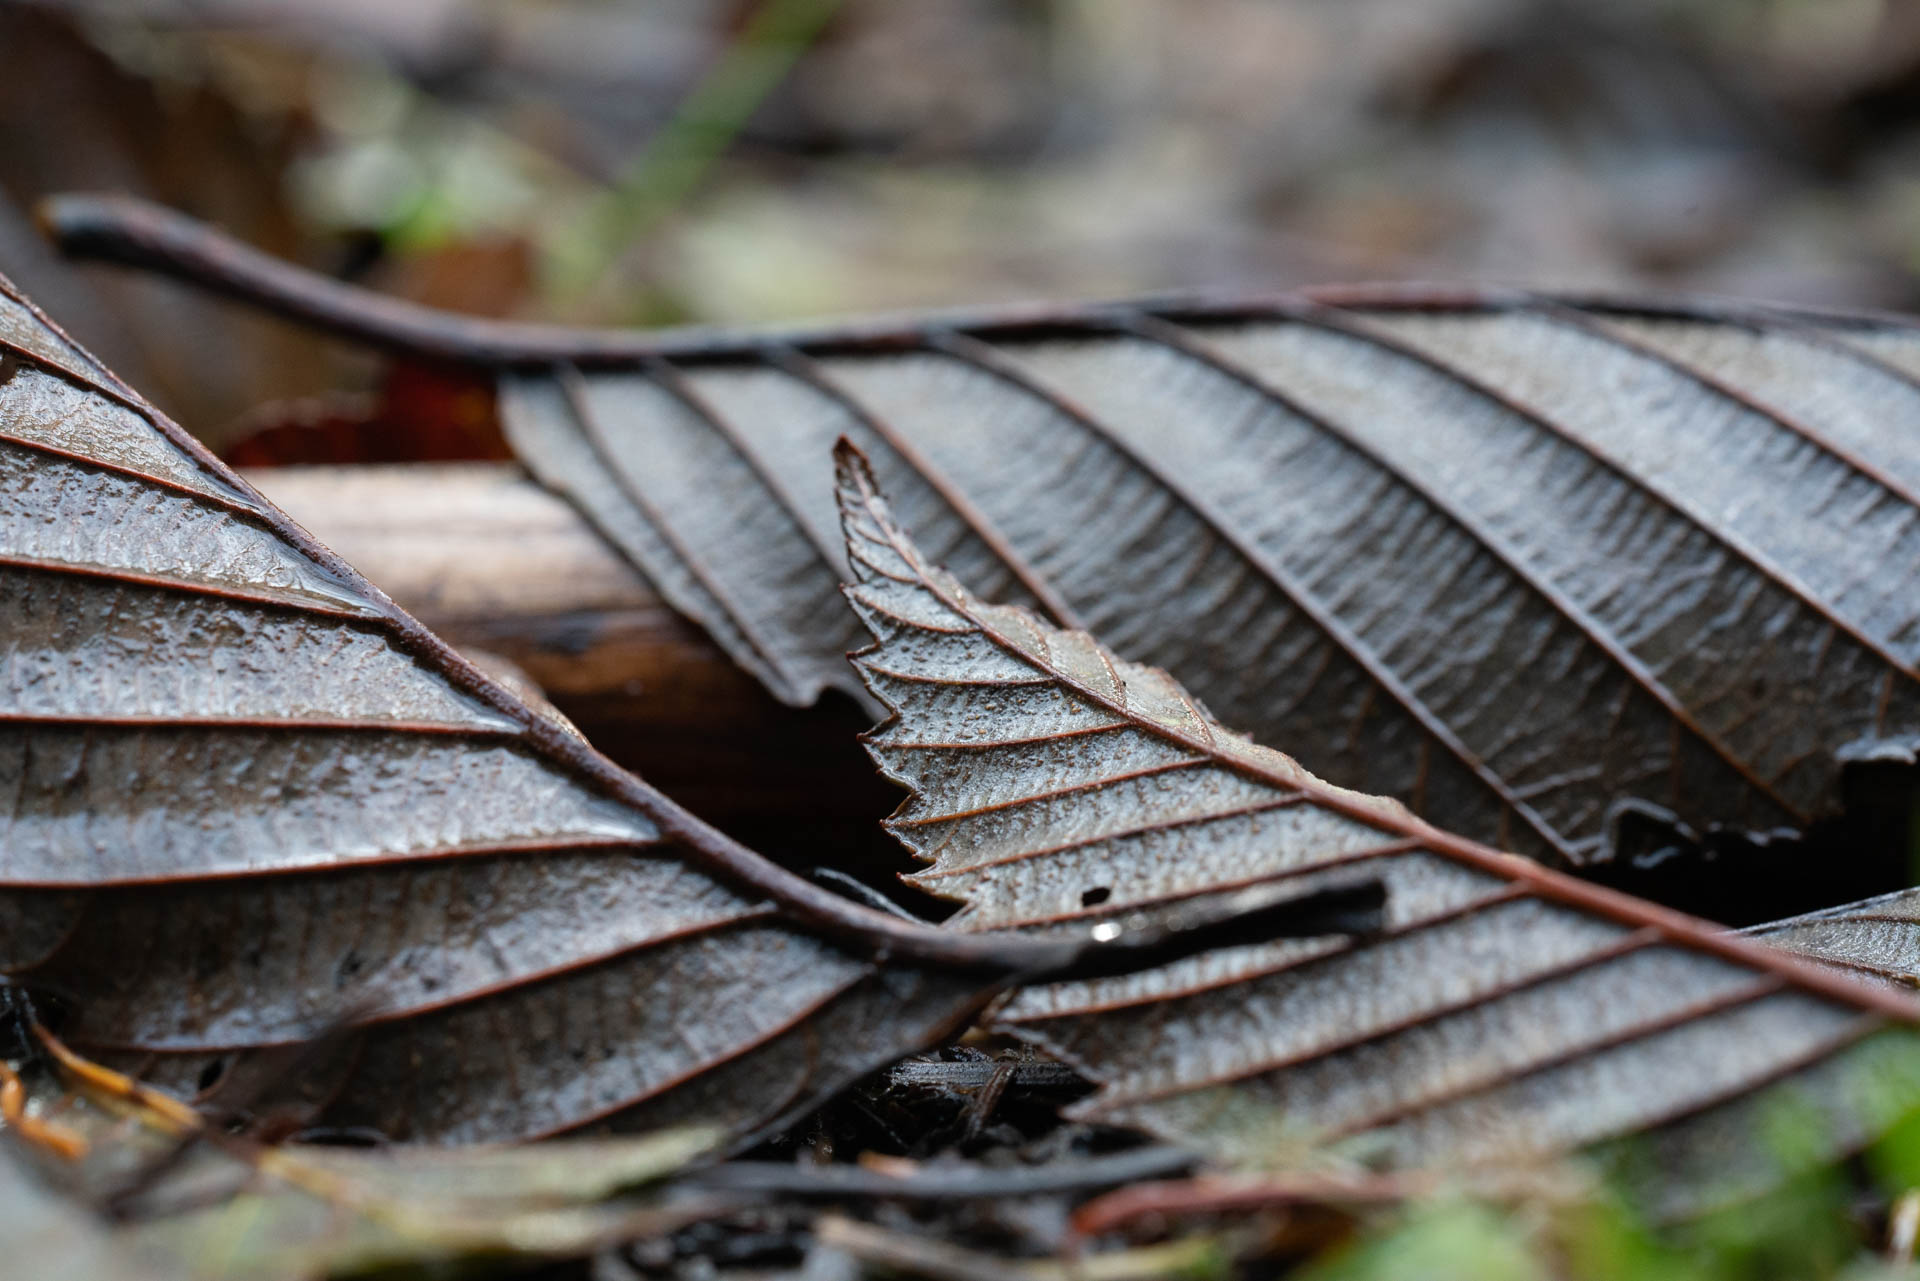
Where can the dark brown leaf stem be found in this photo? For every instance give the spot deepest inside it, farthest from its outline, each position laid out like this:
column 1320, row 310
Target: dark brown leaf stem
column 137, row 233
column 1215, row 1194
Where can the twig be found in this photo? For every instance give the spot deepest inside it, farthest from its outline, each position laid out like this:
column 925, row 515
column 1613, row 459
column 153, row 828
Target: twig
column 53, row 1137
column 955, row 1183
column 860, row 891
column 976, row 1074
column 1220, row 1194
column 919, row 1257
column 1226, row 1194
column 980, row 1111
column 1250, row 916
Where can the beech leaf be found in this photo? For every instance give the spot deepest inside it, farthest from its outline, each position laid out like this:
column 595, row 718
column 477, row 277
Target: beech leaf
column 1536, row 565
column 1530, row 568
column 247, row 798
column 1506, row 1013
column 1876, row 939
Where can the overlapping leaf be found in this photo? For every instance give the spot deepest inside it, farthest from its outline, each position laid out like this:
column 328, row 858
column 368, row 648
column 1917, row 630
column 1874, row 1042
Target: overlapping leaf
column 1506, row 1013
column 1514, row 560
column 1512, row 564
column 1877, row 939
column 246, row 797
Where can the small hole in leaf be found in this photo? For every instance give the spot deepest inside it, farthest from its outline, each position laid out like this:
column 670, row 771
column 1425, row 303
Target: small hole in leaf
column 210, row 1074
column 1095, row 896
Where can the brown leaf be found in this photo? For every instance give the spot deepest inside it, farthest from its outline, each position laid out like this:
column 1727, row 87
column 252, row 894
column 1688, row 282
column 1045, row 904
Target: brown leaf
column 1498, row 562
column 422, row 412
column 1530, row 564
column 1507, row 1012
column 1877, row 939
column 247, row 796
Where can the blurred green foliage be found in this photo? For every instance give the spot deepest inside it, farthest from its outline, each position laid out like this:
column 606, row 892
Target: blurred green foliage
column 677, row 157
column 1810, row 1218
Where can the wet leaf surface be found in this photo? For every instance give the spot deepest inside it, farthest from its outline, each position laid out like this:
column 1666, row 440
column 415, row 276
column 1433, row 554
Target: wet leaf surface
column 1877, row 939
column 248, row 798
column 1515, row 562
column 1574, row 576
column 1506, row 1013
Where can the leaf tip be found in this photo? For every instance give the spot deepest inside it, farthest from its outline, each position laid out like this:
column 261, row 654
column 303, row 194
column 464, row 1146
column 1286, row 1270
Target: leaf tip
column 876, row 546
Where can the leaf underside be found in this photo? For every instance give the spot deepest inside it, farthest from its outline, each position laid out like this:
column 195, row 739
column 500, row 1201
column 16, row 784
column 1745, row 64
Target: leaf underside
column 1512, row 560
column 1876, row 939
column 246, row 797
column 1506, row 1013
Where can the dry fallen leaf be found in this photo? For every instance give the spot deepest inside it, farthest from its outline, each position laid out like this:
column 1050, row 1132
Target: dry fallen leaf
column 249, row 797
column 1507, row 1012
column 1518, row 560
column 1515, row 563
column 1876, row 939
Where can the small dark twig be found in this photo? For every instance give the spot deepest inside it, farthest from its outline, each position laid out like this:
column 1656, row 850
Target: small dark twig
column 980, row 1111
column 1256, row 915
column 976, row 1074
column 150, row 237
column 861, row 892
column 949, row 1183
column 1217, row 1194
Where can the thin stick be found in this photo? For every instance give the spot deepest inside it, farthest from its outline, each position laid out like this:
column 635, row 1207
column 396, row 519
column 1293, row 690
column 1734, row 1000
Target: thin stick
column 957, row 1183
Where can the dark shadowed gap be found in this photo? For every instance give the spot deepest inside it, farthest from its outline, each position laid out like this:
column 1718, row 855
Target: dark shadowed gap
column 812, row 799
column 1742, row 878
column 798, row 788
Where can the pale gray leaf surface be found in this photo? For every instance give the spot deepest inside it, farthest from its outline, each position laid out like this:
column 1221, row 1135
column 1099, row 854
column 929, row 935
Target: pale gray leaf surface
column 1513, row 561
column 1877, row 939
column 1506, row 1012
column 242, row 797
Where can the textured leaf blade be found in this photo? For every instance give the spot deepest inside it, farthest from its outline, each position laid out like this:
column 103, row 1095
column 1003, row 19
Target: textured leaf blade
column 1876, row 939
column 248, row 797
column 1506, row 1012
column 1513, row 563
column 1539, row 566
